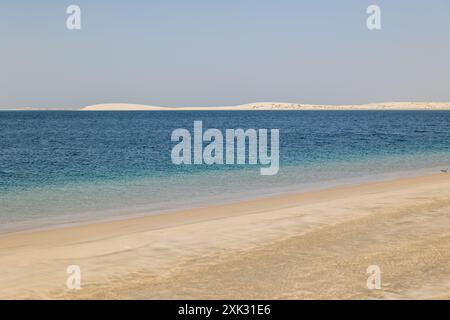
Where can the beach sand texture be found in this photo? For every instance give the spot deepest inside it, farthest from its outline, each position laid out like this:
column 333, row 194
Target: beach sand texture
column 302, row 246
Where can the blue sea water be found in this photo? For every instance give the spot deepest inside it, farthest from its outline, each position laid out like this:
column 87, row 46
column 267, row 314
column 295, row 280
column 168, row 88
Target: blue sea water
column 60, row 167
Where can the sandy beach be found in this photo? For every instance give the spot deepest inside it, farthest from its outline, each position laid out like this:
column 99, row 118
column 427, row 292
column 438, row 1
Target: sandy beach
column 301, row 246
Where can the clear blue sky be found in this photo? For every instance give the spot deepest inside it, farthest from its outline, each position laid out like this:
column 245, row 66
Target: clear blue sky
column 222, row 52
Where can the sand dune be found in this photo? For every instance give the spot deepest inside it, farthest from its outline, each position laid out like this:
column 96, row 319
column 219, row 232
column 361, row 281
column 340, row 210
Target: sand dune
column 121, row 106
column 310, row 245
column 279, row 106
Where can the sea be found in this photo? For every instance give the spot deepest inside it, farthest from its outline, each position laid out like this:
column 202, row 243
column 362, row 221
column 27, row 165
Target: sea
column 69, row 167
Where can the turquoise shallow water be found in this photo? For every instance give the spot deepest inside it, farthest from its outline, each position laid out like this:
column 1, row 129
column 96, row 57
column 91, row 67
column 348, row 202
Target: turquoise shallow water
column 64, row 167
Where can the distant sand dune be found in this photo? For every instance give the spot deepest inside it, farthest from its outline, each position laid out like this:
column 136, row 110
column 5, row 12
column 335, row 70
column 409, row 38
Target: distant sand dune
column 279, row 106
column 121, row 106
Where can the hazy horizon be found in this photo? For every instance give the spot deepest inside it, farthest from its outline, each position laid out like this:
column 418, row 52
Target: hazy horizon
column 203, row 53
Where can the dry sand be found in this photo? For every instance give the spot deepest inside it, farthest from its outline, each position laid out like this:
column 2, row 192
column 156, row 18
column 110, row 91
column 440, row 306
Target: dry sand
column 278, row 106
column 311, row 245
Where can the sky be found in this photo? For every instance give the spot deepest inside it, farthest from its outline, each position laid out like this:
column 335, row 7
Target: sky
column 222, row 52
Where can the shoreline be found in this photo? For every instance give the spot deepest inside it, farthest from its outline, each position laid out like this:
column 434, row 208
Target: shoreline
column 173, row 252
column 47, row 224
